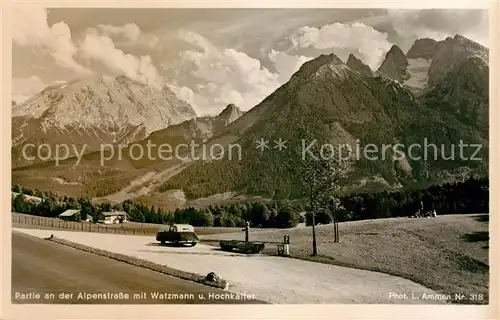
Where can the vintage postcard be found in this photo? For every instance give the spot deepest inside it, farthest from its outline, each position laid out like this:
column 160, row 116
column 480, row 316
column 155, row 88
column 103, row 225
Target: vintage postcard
column 272, row 159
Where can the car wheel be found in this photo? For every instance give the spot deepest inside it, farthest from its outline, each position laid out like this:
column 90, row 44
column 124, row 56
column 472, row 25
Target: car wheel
column 192, row 244
column 162, row 242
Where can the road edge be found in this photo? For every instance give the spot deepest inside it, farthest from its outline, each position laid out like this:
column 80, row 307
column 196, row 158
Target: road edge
column 222, row 284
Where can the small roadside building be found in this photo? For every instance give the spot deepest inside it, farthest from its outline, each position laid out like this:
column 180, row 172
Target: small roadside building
column 71, row 215
column 113, row 217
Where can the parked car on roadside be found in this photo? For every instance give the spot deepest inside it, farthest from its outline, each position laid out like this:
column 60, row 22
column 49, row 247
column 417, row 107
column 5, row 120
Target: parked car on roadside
column 178, row 234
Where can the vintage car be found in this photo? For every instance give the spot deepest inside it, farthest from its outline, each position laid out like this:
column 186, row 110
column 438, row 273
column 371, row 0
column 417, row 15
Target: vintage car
column 178, row 234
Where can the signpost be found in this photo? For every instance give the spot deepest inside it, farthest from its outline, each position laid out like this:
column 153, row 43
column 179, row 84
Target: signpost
column 286, row 245
column 247, row 231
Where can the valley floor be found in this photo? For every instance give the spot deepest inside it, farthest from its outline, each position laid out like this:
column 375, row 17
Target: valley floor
column 448, row 254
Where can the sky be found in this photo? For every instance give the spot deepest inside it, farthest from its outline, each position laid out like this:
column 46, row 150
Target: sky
column 213, row 57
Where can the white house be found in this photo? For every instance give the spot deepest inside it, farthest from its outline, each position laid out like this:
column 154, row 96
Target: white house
column 113, row 217
column 28, row 198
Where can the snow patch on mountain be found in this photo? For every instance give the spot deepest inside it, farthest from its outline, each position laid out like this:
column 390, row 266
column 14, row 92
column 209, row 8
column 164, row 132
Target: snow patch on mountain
column 339, row 71
column 418, row 70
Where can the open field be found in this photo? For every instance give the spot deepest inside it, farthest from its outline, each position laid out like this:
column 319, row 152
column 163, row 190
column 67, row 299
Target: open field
column 448, row 254
column 270, row 279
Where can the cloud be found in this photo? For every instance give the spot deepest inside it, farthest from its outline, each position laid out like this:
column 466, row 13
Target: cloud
column 439, row 24
column 131, row 35
column 367, row 43
column 24, row 88
column 19, row 98
column 130, row 31
column 286, row 64
column 210, row 78
column 30, row 29
column 102, row 49
column 148, row 40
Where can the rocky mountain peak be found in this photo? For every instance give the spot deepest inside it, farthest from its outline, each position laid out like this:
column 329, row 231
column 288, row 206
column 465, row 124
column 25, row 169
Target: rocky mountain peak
column 358, row 65
column 395, row 64
column 424, row 48
column 455, row 50
column 230, row 113
column 396, row 51
column 459, row 37
column 315, row 105
column 313, row 65
column 106, row 102
column 95, row 110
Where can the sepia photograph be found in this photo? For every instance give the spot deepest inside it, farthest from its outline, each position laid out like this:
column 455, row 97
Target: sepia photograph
column 270, row 156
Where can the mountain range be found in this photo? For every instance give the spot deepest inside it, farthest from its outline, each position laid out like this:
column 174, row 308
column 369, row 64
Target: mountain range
column 93, row 111
column 436, row 92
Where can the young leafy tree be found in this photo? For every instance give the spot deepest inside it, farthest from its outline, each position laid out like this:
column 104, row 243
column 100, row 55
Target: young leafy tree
column 321, row 170
column 19, row 204
column 286, row 217
column 27, row 191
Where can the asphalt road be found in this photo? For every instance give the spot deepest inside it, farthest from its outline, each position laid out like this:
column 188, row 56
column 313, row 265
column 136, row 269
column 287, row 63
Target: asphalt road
column 47, row 272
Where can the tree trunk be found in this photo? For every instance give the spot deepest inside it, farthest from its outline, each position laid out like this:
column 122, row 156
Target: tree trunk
column 337, row 233
column 315, row 250
column 313, row 216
